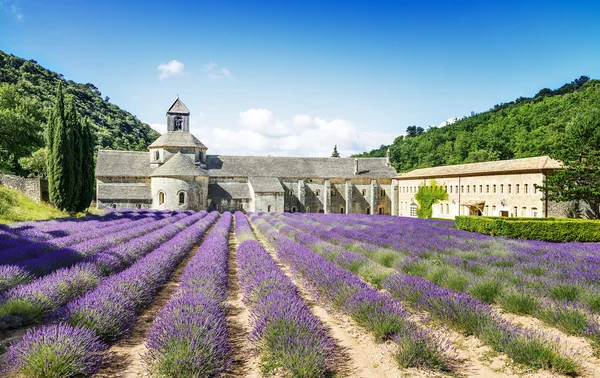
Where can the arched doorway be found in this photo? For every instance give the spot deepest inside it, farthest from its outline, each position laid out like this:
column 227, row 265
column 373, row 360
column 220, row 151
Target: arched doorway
column 368, row 210
column 380, row 210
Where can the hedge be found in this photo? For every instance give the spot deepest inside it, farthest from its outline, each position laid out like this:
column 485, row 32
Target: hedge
column 548, row 229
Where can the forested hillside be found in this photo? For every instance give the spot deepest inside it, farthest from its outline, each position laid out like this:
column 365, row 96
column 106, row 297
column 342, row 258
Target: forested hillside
column 27, row 92
column 522, row 128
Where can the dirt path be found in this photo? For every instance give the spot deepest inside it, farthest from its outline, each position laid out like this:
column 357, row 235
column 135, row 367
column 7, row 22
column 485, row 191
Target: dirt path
column 245, row 361
column 124, row 359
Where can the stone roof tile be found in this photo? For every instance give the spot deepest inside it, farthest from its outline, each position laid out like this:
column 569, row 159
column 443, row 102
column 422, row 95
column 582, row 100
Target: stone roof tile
column 123, row 164
column 229, row 190
column 265, row 184
column 178, row 107
column 177, row 139
column 118, row 191
column 178, row 165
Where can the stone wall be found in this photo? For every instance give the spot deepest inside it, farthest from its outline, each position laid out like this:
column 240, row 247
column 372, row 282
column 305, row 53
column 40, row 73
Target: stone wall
column 34, row 188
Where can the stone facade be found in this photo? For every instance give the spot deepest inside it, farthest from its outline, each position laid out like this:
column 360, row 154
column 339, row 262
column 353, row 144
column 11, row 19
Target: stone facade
column 177, row 173
column 34, row 188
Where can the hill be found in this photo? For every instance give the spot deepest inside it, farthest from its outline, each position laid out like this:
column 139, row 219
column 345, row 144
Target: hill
column 27, row 93
column 16, row 207
column 526, row 127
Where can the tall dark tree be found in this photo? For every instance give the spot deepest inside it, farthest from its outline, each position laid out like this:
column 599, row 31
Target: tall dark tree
column 75, row 132
column 60, row 161
column 87, row 167
column 335, row 152
column 579, row 181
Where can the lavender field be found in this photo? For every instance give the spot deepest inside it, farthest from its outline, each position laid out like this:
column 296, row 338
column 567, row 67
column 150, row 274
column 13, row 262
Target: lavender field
column 195, row 294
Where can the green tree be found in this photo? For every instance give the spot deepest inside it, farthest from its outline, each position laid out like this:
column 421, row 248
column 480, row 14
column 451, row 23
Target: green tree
column 579, row 151
column 36, row 164
column 75, row 132
column 335, row 152
column 60, row 159
column 427, row 196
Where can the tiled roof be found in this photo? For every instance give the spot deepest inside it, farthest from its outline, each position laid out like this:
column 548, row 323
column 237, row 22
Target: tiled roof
column 123, row 164
column 534, row 164
column 229, row 190
column 265, row 184
column 178, row 165
column 177, row 139
column 296, row 167
column 120, row 191
column 178, row 107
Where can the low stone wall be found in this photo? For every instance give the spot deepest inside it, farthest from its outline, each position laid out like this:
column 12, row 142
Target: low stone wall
column 34, row 188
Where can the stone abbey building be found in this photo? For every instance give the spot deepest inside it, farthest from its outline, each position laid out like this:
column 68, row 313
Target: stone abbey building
column 177, row 173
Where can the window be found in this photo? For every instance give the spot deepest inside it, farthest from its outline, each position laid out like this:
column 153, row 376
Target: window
column 526, row 188
column 517, row 188
column 291, row 192
column 308, row 209
column 468, row 190
column 456, row 191
column 318, row 192
column 178, row 124
column 487, row 209
column 474, row 189
column 364, row 192
column 524, row 212
column 138, row 205
column 413, row 209
column 342, row 210
column 368, row 210
column 493, row 209
column 494, row 188
column 487, row 188
column 534, row 212
column 509, row 189
column 446, row 189
column 515, row 209
column 293, row 209
column 156, row 155
column 462, row 188
column 534, row 188
column 450, row 188
column 501, row 188
column 380, row 210
column 182, row 198
column 441, row 208
column 382, row 192
column 480, row 188
column 447, row 209
column 114, row 205
column 269, row 209
column 161, row 198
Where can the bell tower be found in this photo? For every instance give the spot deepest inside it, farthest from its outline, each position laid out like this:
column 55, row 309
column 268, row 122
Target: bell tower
column 178, row 117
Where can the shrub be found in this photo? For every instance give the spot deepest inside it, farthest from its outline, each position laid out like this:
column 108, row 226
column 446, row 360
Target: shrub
column 548, row 229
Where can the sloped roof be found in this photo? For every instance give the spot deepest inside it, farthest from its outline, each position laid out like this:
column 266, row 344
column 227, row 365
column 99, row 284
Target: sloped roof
column 534, row 164
column 178, row 107
column 265, row 184
column 229, row 190
column 123, row 163
column 124, row 191
column 177, row 139
column 178, row 165
column 296, row 167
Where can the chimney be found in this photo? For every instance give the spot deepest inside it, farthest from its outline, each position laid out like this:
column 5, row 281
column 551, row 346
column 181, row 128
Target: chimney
column 355, row 166
column 388, row 158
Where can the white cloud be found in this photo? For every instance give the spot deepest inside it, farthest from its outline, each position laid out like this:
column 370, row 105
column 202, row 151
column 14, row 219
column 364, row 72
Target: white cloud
column 449, row 121
column 172, row 68
column 261, row 133
column 214, row 72
column 11, row 7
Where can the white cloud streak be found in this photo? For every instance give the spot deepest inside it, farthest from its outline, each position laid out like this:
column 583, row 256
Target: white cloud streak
column 214, row 72
column 172, row 68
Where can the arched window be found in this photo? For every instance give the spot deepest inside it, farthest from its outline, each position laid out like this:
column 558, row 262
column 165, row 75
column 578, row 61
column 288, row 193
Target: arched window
column 364, row 192
column 161, row 198
column 138, row 205
column 413, row 209
column 269, row 209
column 342, row 210
column 178, row 124
column 156, row 155
column 182, row 198
column 380, row 210
column 318, row 192
column 114, row 205
column 308, row 209
column 291, row 192
column 293, row 209
column 368, row 210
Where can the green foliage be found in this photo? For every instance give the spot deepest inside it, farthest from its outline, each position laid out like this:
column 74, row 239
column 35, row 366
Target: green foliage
column 60, row 160
column 36, row 163
column 427, row 196
column 27, row 95
column 335, row 152
column 522, row 128
column 88, row 167
column 547, row 229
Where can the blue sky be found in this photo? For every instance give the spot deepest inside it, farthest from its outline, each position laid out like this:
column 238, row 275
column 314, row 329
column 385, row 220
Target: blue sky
column 295, row 78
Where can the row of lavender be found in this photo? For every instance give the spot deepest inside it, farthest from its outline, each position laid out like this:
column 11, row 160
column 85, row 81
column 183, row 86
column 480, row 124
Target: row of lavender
column 288, row 336
column 189, row 335
column 34, row 301
column 459, row 310
column 371, row 309
column 74, row 345
column 522, row 278
column 48, row 261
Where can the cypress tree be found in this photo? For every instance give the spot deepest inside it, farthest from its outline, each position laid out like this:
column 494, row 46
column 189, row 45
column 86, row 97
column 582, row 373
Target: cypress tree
column 87, row 167
column 62, row 155
column 56, row 121
column 77, row 152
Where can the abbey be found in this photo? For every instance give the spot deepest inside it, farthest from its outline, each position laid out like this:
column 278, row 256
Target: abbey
column 177, row 173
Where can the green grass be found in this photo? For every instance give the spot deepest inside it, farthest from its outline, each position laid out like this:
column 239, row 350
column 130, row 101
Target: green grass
column 16, row 207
